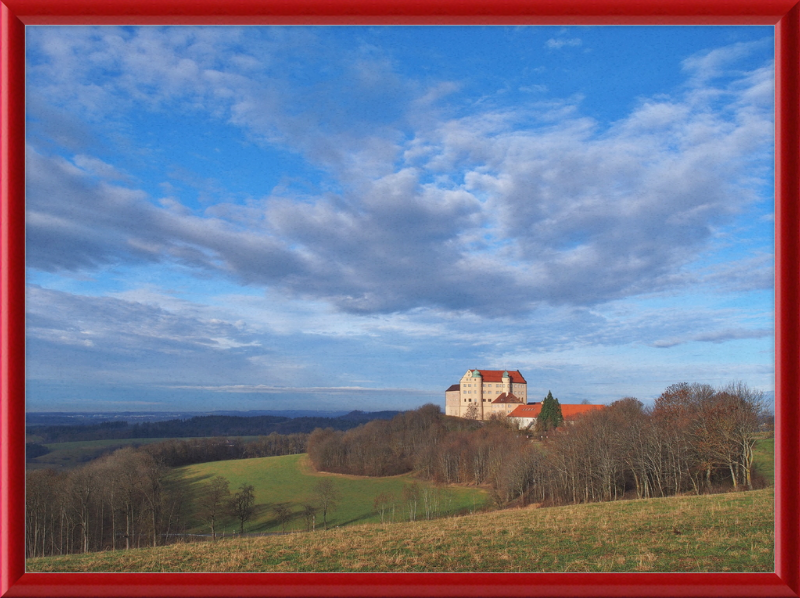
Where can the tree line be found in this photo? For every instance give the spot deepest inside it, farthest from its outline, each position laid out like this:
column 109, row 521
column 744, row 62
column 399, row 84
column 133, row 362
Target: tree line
column 177, row 453
column 695, row 438
column 128, row 498
column 123, row 500
column 383, row 447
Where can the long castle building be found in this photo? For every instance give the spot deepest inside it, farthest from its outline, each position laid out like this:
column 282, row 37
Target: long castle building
column 483, row 393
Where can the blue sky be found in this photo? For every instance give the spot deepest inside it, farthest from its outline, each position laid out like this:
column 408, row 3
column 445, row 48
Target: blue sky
column 351, row 217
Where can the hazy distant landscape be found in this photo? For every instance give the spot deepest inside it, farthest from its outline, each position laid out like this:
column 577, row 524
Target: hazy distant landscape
column 77, row 418
column 64, row 440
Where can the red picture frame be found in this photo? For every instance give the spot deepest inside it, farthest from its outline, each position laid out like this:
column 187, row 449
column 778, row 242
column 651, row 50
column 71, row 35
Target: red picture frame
column 783, row 14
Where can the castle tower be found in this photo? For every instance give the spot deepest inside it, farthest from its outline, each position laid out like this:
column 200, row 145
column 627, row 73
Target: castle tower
column 478, row 381
column 506, row 383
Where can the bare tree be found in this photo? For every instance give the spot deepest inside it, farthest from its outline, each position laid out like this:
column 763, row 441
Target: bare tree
column 431, row 500
column 310, row 516
column 328, row 497
column 150, row 481
column 382, row 502
column 411, row 497
column 744, row 408
column 214, row 499
column 44, row 511
column 83, row 487
column 126, row 465
column 243, row 504
column 283, row 513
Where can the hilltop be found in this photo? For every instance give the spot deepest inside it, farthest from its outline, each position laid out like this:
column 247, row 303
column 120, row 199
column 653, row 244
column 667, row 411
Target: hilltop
column 721, row 532
column 199, row 426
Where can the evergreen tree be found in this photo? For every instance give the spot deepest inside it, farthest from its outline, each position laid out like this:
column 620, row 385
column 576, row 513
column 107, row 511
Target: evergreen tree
column 550, row 416
column 559, row 418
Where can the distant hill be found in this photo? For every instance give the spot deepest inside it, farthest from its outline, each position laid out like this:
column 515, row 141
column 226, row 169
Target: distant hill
column 368, row 415
column 83, row 418
column 203, row 425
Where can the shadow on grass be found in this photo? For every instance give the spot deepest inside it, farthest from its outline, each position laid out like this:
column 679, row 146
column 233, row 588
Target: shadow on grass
column 360, row 518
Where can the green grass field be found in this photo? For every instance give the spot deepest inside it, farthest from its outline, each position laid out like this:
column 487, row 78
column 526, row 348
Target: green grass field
column 718, row 532
column 764, row 459
column 291, row 479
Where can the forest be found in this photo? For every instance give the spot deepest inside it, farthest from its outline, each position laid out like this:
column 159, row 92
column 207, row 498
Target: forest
column 695, row 438
column 128, row 498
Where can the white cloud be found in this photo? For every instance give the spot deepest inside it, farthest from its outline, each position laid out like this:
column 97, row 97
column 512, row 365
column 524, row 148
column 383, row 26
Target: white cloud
column 538, row 202
column 717, row 336
column 558, row 43
column 718, row 61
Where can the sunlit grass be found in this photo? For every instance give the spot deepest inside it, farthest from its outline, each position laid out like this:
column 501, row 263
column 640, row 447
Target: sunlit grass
column 723, row 532
column 292, row 479
column 764, row 458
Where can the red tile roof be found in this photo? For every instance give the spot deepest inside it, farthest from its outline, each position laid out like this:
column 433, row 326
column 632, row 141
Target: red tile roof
column 454, row 387
column 572, row 411
column 507, row 398
column 526, row 411
column 497, row 376
column 567, row 411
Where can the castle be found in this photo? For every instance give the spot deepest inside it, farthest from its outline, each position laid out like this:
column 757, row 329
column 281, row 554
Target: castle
column 483, row 393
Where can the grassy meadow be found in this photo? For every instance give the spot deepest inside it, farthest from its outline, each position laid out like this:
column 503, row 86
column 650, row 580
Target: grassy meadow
column 719, row 532
column 764, row 458
column 291, row 479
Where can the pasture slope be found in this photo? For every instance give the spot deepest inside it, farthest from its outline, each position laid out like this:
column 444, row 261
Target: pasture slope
column 718, row 532
column 291, row 479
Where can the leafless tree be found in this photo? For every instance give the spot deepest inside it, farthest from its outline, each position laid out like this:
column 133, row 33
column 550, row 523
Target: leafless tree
column 83, row 485
column 45, row 510
column 741, row 408
column 328, row 497
column 242, row 504
column 411, row 496
column 310, row 516
column 382, row 503
column 213, row 501
column 150, row 482
column 283, row 513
